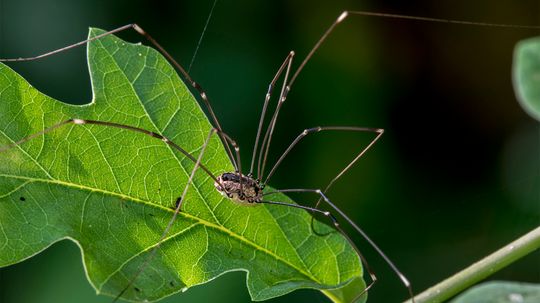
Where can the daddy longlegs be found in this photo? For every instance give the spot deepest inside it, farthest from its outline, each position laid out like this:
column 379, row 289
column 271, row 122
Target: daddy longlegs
column 247, row 189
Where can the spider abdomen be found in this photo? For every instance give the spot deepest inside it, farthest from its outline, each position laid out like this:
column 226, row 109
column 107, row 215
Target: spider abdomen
column 239, row 188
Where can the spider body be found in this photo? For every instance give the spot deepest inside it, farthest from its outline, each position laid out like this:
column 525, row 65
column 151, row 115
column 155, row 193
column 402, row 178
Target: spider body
column 239, row 188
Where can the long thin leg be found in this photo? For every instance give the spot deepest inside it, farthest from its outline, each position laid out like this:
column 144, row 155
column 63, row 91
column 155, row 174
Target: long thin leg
column 439, row 20
column 179, row 67
column 237, row 151
column 265, row 146
column 179, row 201
column 287, row 87
column 111, row 124
column 337, row 226
column 377, row 131
column 285, row 91
column 330, row 29
column 345, row 14
column 74, row 45
column 158, row 136
column 401, row 276
column 286, row 62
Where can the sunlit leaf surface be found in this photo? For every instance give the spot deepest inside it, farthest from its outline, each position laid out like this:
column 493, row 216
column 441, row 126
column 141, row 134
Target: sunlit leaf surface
column 111, row 191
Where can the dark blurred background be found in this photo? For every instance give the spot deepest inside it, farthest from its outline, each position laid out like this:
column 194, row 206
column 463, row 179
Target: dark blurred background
column 456, row 175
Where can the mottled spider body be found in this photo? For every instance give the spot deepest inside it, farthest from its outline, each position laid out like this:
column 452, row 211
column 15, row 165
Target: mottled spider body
column 239, row 188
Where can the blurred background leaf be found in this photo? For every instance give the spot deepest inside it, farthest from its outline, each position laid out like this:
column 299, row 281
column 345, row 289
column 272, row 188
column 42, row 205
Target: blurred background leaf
column 526, row 71
column 501, row 292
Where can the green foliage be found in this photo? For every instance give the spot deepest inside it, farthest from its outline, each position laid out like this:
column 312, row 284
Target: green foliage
column 501, row 292
column 111, row 191
column 526, row 71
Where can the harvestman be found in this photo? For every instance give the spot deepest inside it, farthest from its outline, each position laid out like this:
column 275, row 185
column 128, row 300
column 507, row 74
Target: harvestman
column 248, row 188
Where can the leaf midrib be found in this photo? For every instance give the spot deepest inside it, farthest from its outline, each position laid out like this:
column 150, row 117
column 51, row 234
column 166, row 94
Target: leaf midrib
column 159, row 207
column 208, row 224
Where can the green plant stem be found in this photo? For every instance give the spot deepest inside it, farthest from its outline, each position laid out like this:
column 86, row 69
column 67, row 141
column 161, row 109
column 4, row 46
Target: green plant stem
column 481, row 269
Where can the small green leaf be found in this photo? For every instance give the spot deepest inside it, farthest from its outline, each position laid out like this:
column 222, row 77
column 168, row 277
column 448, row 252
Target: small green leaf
column 111, row 190
column 501, row 292
column 526, row 73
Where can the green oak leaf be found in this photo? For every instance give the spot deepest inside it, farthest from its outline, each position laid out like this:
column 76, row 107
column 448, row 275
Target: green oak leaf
column 501, row 292
column 526, row 74
column 112, row 191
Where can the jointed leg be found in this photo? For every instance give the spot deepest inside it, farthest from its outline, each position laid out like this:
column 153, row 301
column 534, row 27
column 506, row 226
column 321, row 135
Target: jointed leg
column 401, row 276
column 377, row 131
column 265, row 145
column 287, row 87
column 110, row 124
column 314, row 130
column 287, row 63
column 336, row 225
column 179, row 67
column 179, row 202
column 283, row 97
